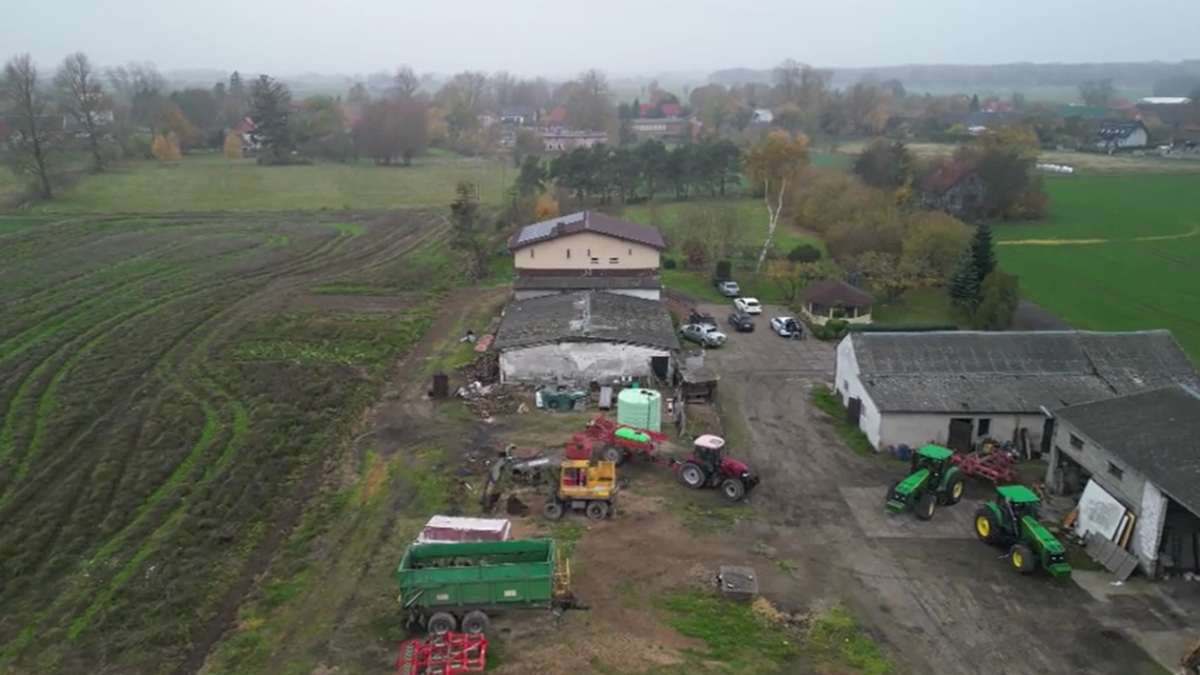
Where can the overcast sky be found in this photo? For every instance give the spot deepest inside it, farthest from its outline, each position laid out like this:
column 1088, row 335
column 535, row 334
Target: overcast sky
column 556, row 37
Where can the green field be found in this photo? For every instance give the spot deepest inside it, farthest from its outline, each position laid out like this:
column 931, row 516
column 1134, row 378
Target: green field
column 212, row 183
column 1114, row 253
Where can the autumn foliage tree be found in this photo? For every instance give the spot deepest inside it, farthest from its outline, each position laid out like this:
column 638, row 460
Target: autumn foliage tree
column 233, row 145
column 165, row 147
column 545, row 207
column 393, row 129
column 773, row 165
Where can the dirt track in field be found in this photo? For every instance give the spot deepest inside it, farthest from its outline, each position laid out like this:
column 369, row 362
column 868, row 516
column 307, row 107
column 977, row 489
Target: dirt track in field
column 944, row 605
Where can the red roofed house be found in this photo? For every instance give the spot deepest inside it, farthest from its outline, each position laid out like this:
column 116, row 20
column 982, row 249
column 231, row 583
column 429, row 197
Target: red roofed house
column 245, row 129
column 668, row 109
column 955, row 188
column 554, row 118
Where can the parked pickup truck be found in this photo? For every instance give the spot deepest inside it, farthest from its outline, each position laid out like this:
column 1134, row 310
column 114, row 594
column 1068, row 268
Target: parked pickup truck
column 457, row 587
column 703, row 335
column 729, row 288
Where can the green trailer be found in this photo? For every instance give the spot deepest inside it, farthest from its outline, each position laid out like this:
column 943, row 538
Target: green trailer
column 447, row 587
column 1011, row 521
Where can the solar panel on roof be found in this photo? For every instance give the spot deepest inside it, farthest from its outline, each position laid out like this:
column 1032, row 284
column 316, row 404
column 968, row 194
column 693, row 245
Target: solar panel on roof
column 546, row 228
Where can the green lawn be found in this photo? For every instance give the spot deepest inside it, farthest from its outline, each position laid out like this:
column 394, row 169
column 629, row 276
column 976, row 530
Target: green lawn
column 922, row 307
column 213, row 183
column 1114, row 253
column 675, row 220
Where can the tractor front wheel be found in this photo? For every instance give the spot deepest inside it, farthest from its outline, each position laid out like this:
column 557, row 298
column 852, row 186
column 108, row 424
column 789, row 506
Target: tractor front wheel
column 733, row 489
column 987, row 528
column 1022, row 558
column 926, row 505
column 597, row 510
column 441, row 623
column 954, row 491
column 552, row 510
column 612, row 453
column 692, row 475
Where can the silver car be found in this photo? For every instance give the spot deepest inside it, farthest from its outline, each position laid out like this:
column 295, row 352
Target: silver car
column 703, row 335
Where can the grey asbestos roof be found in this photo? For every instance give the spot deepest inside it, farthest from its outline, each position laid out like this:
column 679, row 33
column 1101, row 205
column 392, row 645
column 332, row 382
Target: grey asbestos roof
column 1155, row 432
column 976, row 372
column 577, row 283
column 589, row 316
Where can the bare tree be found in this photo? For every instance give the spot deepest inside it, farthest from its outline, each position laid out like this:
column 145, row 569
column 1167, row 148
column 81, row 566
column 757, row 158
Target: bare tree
column 471, row 87
column 787, row 78
column 135, row 78
column 29, row 142
column 407, row 82
column 595, row 82
column 81, row 93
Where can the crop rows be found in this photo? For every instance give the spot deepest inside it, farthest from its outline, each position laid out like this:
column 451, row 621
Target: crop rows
column 155, row 419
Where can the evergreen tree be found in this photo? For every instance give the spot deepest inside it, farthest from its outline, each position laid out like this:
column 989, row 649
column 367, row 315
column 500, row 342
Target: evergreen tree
column 999, row 296
column 965, row 287
column 270, row 108
column 975, row 103
column 636, row 109
column 983, row 252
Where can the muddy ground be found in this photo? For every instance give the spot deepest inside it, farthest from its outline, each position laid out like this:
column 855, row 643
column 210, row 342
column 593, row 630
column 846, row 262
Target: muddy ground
column 942, row 603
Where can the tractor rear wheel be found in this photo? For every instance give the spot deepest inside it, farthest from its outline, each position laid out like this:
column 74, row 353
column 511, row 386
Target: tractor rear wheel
column 475, row 622
column 597, row 510
column 987, row 528
column 612, row 453
column 552, row 510
column 441, row 623
column 733, row 489
column 926, row 505
column 1022, row 558
column 954, row 491
column 692, row 475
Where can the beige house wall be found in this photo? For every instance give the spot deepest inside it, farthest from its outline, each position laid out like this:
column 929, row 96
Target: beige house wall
column 586, row 250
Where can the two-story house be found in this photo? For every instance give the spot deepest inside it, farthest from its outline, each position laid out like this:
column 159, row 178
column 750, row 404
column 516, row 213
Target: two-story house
column 587, row 251
column 955, row 188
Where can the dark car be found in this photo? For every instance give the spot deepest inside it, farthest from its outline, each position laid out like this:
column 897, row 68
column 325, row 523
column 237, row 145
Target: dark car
column 741, row 322
column 703, row 319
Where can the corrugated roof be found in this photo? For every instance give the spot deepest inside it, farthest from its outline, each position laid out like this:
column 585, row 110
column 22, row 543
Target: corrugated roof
column 586, row 317
column 1155, row 432
column 968, row 371
column 589, row 221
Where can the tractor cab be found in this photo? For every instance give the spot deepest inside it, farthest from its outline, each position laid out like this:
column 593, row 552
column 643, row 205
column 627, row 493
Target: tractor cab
column 708, row 451
column 581, row 479
column 1016, row 502
column 708, row 466
column 935, row 458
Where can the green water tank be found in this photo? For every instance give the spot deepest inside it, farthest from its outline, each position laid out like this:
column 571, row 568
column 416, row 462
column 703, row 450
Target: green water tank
column 641, row 408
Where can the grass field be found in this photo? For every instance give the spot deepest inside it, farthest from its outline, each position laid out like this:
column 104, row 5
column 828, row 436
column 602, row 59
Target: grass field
column 1115, row 253
column 168, row 402
column 675, row 220
column 212, row 183
column 1083, row 162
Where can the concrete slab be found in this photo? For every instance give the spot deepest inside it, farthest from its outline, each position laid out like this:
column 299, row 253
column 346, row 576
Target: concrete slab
column 950, row 522
column 1139, row 609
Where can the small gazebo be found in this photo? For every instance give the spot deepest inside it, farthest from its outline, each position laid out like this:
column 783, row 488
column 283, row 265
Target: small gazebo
column 836, row 299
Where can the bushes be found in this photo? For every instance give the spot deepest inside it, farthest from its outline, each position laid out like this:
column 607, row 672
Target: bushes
column 669, row 264
column 834, row 329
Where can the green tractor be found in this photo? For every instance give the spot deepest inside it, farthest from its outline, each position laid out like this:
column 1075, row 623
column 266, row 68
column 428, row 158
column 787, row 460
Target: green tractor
column 1012, row 521
column 932, row 480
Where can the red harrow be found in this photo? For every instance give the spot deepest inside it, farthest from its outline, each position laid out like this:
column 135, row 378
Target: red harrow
column 617, row 442
column 445, row 654
column 995, row 467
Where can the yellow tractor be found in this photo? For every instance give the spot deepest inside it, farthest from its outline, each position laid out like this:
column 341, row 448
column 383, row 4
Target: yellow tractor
column 585, row 486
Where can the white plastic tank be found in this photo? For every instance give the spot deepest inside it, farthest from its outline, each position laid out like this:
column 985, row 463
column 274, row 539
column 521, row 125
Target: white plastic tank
column 641, row 408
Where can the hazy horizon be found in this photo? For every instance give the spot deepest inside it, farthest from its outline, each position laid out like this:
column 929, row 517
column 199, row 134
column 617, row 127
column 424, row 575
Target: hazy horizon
column 629, row 39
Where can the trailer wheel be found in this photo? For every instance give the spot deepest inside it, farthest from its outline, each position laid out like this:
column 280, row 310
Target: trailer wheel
column 691, row 475
column 612, row 453
column 475, row 622
column 597, row 510
column 733, row 489
column 926, row 505
column 441, row 623
column 1022, row 558
column 552, row 510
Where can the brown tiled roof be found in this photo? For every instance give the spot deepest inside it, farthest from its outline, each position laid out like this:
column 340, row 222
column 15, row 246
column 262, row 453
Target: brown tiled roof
column 947, row 177
column 586, row 221
column 830, row 292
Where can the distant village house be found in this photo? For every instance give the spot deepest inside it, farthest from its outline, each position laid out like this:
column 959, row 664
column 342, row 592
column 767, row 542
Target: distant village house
column 954, row 188
column 564, row 140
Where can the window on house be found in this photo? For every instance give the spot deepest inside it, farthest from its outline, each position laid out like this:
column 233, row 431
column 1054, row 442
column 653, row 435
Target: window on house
column 984, row 426
column 630, row 251
column 530, row 253
column 568, row 254
column 1076, row 442
column 595, row 261
column 613, row 261
column 1115, row 471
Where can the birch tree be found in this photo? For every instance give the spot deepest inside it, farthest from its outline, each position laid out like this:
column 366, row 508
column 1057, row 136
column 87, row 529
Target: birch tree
column 32, row 130
column 82, row 95
column 774, row 164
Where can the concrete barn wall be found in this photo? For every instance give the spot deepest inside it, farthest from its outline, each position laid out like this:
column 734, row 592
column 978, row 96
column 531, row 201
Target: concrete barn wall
column 644, row 293
column 848, row 385
column 577, row 251
column 582, row 362
column 916, row 429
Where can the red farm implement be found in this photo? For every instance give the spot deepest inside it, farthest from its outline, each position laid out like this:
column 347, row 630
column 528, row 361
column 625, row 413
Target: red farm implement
column 445, row 654
column 617, row 442
column 994, row 467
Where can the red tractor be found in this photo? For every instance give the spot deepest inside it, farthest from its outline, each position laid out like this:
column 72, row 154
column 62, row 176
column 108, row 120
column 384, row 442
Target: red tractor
column 708, row 466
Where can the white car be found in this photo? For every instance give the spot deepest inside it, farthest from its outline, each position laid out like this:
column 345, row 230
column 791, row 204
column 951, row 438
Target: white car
column 787, row 327
column 748, row 305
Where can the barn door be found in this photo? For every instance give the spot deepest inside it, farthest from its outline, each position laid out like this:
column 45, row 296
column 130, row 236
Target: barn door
column 962, row 431
column 659, row 365
column 854, row 411
column 1047, row 436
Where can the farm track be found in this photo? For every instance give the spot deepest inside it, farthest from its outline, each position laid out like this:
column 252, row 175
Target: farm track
column 181, row 366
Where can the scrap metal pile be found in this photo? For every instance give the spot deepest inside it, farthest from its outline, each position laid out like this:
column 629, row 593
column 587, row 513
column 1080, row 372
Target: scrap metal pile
column 483, row 394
